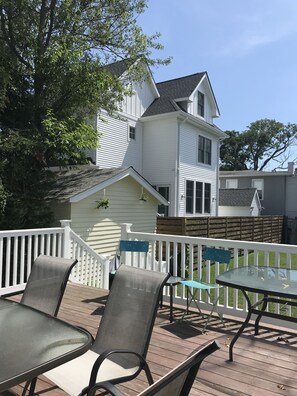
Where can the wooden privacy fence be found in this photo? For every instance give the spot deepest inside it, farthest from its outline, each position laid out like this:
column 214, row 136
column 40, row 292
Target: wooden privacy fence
column 259, row 229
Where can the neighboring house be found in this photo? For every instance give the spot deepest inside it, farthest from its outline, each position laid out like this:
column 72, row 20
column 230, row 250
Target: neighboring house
column 166, row 132
column 97, row 201
column 277, row 190
column 239, row 202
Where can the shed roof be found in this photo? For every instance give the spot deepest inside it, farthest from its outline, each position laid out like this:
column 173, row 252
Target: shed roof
column 76, row 183
column 236, row 196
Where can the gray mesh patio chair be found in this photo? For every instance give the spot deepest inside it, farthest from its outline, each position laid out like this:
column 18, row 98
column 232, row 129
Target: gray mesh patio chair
column 45, row 289
column 47, row 282
column 120, row 347
column 178, row 382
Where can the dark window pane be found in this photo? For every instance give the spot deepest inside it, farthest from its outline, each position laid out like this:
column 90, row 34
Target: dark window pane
column 189, row 196
column 199, row 195
column 207, row 187
column 201, row 104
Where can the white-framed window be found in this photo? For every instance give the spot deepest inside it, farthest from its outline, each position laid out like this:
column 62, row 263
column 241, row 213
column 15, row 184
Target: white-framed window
column 231, row 183
column 204, row 150
column 198, row 197
column 259, row 185
column 132, row 132
column 165, row 192
column 200, row 104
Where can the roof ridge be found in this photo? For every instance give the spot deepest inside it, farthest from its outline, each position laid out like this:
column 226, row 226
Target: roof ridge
column 181, row 78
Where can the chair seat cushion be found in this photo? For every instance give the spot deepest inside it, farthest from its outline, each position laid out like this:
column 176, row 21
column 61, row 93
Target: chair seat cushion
column 73, row 376
column 199, row 284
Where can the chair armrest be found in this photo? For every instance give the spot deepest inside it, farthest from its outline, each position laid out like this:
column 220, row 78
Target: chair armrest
column 107, row 353
column 107, row 386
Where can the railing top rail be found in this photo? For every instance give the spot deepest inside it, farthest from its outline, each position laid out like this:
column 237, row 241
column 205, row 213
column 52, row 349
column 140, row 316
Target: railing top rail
column 36, row 231
column 227, row 243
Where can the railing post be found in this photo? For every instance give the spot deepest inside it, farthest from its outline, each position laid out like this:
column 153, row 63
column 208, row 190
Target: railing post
column 125, row 230
column 66, row 249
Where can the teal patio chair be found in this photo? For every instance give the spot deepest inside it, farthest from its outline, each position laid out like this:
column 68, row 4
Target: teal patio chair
column 210, row 256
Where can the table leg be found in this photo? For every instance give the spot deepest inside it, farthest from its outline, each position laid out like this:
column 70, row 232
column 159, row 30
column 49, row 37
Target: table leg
column 237, row 335
column 257, row 321
column 171, row 302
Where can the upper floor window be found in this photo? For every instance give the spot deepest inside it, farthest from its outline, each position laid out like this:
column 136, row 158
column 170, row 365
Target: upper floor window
column 259, row 185
column 231, row 183
column 198, row 199
column 204, row 150
column 132, row 133
column 200, row 104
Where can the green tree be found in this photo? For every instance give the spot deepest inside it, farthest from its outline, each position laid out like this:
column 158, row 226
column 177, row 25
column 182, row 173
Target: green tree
column 54, row 76
column 233, row 155
column 264, row 141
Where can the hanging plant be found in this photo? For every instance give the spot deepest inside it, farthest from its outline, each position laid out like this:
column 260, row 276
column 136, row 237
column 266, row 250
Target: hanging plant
column 102, row 203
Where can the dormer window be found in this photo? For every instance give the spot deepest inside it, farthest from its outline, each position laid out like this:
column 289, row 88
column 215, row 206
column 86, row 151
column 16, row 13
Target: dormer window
column 200, row 104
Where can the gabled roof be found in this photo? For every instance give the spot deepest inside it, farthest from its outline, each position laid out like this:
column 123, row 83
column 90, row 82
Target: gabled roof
column 119, row 69
column 77, row 183
column 173, row 91
column 236, row 196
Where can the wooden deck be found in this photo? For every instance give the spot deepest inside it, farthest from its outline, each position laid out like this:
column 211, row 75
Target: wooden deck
column 263, row 365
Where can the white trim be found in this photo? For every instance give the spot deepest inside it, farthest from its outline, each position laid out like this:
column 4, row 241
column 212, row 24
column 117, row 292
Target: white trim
column 120, row 176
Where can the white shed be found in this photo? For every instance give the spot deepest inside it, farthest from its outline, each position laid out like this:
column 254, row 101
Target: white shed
column 239, row 202
column 97, row 201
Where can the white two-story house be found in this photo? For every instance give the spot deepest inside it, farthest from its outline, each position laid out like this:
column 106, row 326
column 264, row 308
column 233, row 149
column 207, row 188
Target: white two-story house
column 165, row 131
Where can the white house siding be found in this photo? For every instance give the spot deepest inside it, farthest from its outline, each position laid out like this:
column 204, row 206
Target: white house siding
column 136, row 105
column 160, row 153
column 291, row 193
column 116, row 149
column 101, row 227
column 190, row 169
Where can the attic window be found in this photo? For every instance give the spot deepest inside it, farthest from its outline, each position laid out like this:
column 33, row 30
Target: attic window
column 132, row 133
column 200, row 104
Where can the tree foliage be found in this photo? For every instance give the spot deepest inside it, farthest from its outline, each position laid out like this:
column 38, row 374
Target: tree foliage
column 261, row 143
column 54, row 75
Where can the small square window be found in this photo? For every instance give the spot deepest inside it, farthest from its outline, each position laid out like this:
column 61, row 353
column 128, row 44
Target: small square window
column 132, row 133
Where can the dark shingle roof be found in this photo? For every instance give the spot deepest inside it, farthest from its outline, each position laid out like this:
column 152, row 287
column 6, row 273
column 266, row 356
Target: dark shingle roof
column 171, row 90
column 236, row 196
column 118, row 68
column 68, row 183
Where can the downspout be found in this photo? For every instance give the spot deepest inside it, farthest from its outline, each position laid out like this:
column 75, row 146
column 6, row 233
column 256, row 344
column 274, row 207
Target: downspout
column 218, row 177
column 177, row 165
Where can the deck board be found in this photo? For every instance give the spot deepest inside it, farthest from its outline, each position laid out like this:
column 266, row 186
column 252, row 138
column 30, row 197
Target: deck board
column 263, row 365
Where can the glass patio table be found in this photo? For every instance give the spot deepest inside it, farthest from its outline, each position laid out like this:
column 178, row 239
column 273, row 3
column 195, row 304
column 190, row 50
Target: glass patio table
column 277, row 285
column 32, row 342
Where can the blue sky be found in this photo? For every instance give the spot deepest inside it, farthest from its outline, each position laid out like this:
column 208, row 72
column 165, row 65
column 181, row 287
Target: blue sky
column 248, row 48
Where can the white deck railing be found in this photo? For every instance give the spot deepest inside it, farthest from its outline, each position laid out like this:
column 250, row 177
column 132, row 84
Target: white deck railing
column 181, row 255
column 19, row 248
